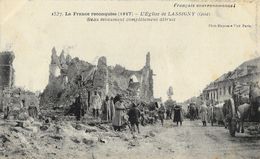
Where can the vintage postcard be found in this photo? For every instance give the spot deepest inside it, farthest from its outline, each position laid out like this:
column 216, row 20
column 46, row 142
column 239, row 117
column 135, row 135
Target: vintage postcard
column 130, row 79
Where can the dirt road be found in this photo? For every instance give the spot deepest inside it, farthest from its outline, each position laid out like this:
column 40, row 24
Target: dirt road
column 67, row 140
column 190, row 140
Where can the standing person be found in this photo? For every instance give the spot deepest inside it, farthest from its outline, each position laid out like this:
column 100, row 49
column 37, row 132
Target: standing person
column 32, row 111
column 84, row 101
column 155, row 112
column 119, row 112
column 178, row 115
column 203, row 113
column 168, row 112
column 142, row 118
column 182, row 115
column 210, row 114
column 134, row 115
column 78, row 108
column 112, row 108
column 161, row 112
column 197, row 113
column 6, row 104
column 96, row 104
column 192, row 111
column 106, row 109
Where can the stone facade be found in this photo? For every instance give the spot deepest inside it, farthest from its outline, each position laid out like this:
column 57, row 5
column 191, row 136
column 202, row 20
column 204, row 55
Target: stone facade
column 72, row 75
column 226, row 85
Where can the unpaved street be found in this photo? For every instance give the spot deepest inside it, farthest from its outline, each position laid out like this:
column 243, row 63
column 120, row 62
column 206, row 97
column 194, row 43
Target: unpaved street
column 70, row 140
column 188, row 141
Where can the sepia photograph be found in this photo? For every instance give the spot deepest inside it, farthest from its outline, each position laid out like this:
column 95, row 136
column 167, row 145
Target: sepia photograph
column 174, row 79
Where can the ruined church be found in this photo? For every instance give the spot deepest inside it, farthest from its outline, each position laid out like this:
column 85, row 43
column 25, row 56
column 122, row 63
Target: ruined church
column 69, row 76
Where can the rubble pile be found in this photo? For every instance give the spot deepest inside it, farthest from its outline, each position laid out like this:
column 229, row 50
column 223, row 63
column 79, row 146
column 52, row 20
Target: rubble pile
column 16, row 102
column 39, row 126
column 34, row 139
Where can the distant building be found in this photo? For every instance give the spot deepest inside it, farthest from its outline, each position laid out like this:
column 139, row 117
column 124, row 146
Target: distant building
column 223, row 88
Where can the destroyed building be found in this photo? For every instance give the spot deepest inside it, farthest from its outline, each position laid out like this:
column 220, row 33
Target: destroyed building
column 11, row 96
column 6, row 73
column 6, row 70
column 69, row 76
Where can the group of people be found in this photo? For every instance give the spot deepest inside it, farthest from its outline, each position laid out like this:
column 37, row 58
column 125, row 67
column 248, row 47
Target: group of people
column 177, row 114
column 111, row 109
column 195, row 112
column 114, row 110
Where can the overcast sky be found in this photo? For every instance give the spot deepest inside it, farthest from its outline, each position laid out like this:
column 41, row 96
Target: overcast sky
column 186, row 54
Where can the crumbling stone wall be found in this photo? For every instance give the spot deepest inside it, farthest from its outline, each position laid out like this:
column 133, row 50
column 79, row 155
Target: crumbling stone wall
column 6, row 69
column 69, row 76
column 16, row 99
column 6, row 74
column 147, row 81
column 100, row 78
